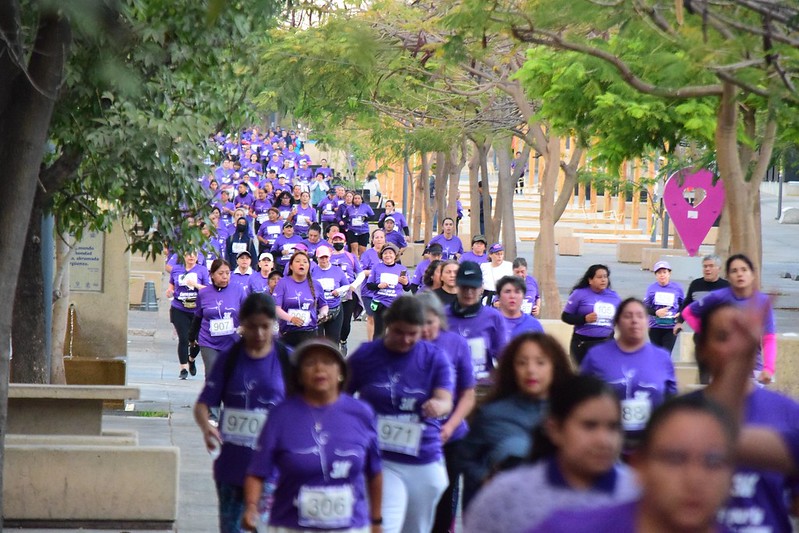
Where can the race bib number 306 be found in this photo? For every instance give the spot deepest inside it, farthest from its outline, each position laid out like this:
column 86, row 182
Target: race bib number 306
column 401, row 436
column 326, row 507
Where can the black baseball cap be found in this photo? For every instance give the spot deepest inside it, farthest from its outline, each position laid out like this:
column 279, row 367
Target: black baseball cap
column 469, row 275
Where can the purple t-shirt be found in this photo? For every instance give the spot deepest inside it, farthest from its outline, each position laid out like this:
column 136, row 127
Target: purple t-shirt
column 584, row 301
column 304, row 218
column 642, row 379
column 327, row 206
column 281, row 244
column 418, row 272
column 348, row 264
column 531, row 295
column 243, row 200
column 758, row 300
column 241, row 279
column 312, row 246
column 758, row 499
column 219, row 310
column 397, row 238
column 255, row 385
column 457, row 349
column 671, row 297
column 382, row 273
column 618, row 519
column 450, row 246
column 319, row 453
column 296, row 298
column 358, row 218
column 271, row 231
column 261, row 208
column 485, row 334
column 185, row 298
column 398, row 217
column 471, row 256
column 368, row 261
column 522, row 324
column 396, row 385
column 258, row 283
column 330, row 280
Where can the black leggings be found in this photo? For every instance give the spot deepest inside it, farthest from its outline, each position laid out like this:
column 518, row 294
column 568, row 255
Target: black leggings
column 296, row 337
column 664, row 337
column 448, row 504
column 380, row 326
column 580, row 345
column 182, row 322
column 347, row 308
column 332, row 328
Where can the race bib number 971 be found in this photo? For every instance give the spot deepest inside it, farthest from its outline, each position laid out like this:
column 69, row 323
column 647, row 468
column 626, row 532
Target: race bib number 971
column 401, row 436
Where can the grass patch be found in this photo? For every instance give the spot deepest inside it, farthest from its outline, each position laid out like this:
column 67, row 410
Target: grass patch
column 151, row 414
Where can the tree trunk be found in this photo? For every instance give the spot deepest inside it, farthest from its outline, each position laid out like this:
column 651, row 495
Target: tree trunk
column 457, row 159
column 60, row 309
column 419, row 209
column 406, row 168
column 737, row 200
column 26, row 108
column 30, row 363
column 487, row 221
column 544, row 259
column 474, row 177
column 443, row 164
column 428, row 208
column 507, row 186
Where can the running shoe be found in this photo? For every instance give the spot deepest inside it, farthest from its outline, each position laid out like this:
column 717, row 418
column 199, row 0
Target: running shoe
column 184, row 373
column 192, row 366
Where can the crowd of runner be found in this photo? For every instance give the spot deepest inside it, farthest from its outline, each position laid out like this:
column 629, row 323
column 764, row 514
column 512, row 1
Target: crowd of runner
column 458, row 384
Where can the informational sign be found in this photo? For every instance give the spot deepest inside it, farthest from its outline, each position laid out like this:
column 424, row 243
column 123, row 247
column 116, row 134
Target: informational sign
column 694, row 203
column 86, row 263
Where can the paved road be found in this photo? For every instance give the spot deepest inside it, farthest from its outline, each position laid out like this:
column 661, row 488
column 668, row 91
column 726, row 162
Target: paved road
column 153, row 368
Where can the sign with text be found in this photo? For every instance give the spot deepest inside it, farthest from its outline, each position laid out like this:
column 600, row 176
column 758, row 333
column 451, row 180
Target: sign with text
column 86, row 263
column 693, row 202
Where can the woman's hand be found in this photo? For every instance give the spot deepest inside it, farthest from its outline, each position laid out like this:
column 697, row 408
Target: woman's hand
column 765, row 377
column 211, row 437
column 446, row 432
column 297, row 321
column 435, row 408
column 251, row 517
column 590, row 318
column 663, row 311
column 403, row 280
column 170, row 292
column 382, row 285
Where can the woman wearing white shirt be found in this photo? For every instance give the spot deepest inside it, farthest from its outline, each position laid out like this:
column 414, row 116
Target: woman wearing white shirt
column 494, row 270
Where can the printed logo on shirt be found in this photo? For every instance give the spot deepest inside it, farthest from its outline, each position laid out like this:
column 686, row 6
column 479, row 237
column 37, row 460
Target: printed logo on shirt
column 340, row 469
column 407, row 404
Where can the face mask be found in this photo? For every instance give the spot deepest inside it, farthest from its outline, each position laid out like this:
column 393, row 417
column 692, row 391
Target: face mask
column 241, row 227
column 338, row 246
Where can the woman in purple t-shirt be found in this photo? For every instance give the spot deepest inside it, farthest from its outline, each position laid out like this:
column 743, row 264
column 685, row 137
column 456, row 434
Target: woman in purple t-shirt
column 323, row 445
column 357, row 217
column 300, row 300
column 184, row 283
column 408, row 382
column 388, row 280
column 590, row 309
column 247, row 382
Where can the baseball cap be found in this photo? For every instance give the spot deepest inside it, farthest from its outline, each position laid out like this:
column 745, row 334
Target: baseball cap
column 496, row 247
column 323, row 251
column 266, row 255
column 389, row 246
column 389, row 217
column 661, row 264
column 338, row 236
column 245, row 252
column 469, row 275
column 320, row 344
column 435, row 249
column 301, row 247
column 479, row 238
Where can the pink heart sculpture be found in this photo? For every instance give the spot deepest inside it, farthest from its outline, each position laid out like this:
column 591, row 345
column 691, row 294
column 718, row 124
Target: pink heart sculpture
column 693, row 222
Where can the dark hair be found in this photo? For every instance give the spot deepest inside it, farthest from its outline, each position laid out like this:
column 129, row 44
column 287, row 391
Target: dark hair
column 275, row 273
column 590, row 274
column 257, row 303
column 315, row 227
column 392, row 203
column 516, row 281
column 505, row 382
column 309, row 278
column 405, row 309
column 689, row 403
column 623, row 305
column 564, row 398
column 427, row 277
column 520, row 262
column 740, row 257
column 283, row 195
column 215, row 208
column 217, row 264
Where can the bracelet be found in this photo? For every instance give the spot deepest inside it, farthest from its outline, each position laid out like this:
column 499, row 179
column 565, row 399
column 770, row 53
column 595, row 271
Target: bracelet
column 377, row 521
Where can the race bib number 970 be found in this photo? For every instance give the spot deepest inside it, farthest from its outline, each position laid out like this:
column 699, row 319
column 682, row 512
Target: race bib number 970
column 242, row 427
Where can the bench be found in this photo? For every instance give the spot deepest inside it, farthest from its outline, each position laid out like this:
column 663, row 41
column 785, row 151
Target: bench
column 61, row 409
column 630, row 252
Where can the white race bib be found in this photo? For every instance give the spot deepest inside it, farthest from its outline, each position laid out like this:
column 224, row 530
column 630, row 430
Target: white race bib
column 604, row 313
column 184, row 279
column 239, row 247
column 391, row 279
column 401, row 436
column 284, row 215
column 305, row 316
column 527, row 307
column 220, row 327
column 242, row 427
column 357, row 221
column 262, row 217
column 303, row 220
column 635, row 413
column 477, row 347
column 289, row 247
column 666, row 299
column 328, row 284
column 325, row 507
